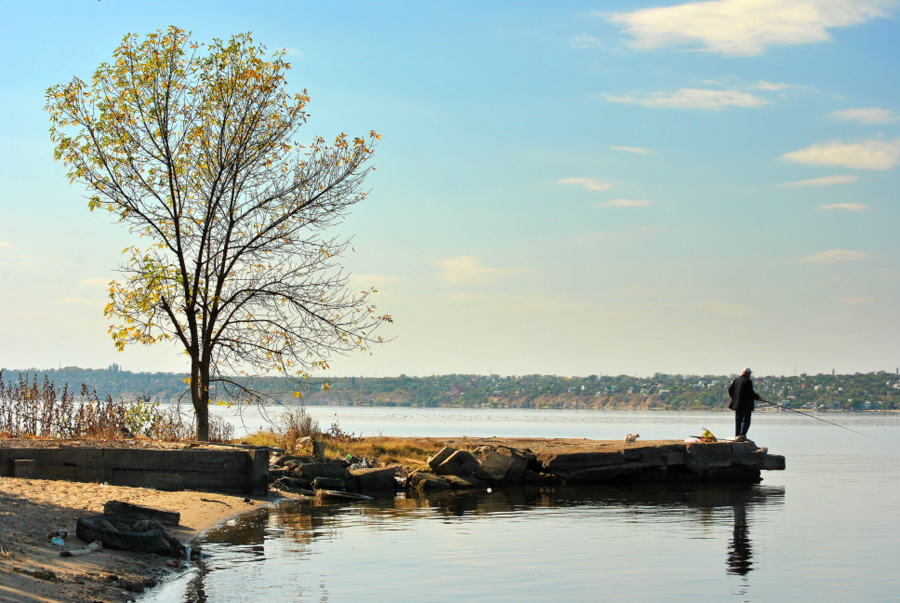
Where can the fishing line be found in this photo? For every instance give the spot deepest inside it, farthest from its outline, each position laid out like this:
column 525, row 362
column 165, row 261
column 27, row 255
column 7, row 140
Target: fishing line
column 819, row 419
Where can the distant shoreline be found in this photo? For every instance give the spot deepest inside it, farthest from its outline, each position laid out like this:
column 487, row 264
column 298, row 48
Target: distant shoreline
column 828, row 392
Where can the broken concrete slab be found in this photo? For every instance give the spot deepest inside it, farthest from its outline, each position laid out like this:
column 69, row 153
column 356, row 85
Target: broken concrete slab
column 504, row 465
column 443, row 454
column 311, row 471
column 460, row 462
column 458, row 482
column 375, row 480
column 427, row 482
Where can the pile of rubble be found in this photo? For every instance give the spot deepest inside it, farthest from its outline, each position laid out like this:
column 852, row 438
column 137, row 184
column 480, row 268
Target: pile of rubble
column 492, row 465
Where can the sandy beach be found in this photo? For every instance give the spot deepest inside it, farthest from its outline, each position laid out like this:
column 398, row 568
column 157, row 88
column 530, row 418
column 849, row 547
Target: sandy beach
column 31, row 508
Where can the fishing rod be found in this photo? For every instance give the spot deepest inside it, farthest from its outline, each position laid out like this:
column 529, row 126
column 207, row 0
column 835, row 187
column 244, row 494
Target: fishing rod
column 819, row 419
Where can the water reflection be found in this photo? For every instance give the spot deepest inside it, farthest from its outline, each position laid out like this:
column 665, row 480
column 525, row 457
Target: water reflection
column 268, row 543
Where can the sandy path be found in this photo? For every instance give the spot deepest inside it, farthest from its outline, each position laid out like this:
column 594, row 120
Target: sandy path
column 30, row 508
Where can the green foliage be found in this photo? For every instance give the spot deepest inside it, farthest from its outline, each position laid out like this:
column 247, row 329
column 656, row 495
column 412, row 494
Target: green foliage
column 191, row 147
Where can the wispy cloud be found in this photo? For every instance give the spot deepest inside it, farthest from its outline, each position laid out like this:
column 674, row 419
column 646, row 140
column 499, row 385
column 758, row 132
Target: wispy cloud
column 293, row 52
column 635, row 150
column 866, row 155
column 869, row 115
column 846, row 206
column 690, row 98
column 469, row 269
column 744, row 27
column 587, row 41
column 764, row 85
column 591, row 184
column 834, row 256
column 4, row 244
column 623, row 203
column 823, row 181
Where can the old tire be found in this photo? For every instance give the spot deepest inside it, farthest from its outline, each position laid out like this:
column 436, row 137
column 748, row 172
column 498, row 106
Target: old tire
column 151, row 541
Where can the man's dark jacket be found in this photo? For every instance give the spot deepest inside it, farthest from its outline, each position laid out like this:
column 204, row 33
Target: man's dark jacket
column 742, row 394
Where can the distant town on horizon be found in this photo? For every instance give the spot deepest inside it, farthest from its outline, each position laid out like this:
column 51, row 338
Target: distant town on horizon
column 833, row 392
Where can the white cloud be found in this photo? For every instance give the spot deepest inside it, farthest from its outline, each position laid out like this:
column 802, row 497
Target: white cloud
column 2, row 244
column 745, row 27
column 866, row 155
column 846, row 206
column 468, row 269
column 823, row 181
column 294, row 52
column 587, row 41
column 833, row 256
column 623, row 203
column 635, row 150
column 691, row 98
column 591, row 184
column 764, row 85
column 869, row 115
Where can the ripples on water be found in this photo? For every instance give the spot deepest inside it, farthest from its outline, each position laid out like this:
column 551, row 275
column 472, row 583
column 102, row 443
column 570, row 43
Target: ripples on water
column 520, row 545
column 825, row 529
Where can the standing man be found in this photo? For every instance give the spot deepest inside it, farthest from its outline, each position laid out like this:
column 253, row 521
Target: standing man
column 742, row 403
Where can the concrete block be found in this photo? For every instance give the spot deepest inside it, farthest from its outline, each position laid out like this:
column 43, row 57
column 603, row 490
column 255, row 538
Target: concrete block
column 459, row 482
column 329, row 483
column 375, row 480
column 653, row 459
column 311, row 471
column 318, row 447
column 504, row 465
column 443, row 454
column 743, row 448
column 601, row 474
column 428, row 482
column 675, row 458
column 25, row 468
column 459, row 463
column 576, row 460
column 774, row 462
column 535, row 479
column 713, row 450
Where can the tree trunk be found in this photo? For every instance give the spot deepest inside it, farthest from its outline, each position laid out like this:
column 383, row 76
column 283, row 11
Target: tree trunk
column 201, row 409
column 200, row 398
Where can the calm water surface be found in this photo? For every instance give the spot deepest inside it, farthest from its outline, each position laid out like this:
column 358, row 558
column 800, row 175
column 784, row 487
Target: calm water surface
column 827, row 529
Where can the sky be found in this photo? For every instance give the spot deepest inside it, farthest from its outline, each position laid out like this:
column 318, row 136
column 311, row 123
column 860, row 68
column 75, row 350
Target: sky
column 567, row 188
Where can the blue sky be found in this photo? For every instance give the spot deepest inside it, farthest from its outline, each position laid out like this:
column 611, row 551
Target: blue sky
column 571, row 188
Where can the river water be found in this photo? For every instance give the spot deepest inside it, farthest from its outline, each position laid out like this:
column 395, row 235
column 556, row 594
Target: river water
column 826, row 529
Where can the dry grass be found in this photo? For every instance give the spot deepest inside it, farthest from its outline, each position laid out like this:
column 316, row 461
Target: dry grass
column 385, row 450
column 30, row 409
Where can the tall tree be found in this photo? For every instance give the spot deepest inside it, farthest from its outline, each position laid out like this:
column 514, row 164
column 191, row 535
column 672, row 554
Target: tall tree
column 191, row 146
